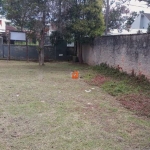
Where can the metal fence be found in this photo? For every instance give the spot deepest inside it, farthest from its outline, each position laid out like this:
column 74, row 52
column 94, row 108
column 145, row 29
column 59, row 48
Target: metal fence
column 22, row 52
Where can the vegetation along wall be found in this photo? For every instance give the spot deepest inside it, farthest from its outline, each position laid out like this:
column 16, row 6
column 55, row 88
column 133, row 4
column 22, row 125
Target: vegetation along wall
column 128, row 53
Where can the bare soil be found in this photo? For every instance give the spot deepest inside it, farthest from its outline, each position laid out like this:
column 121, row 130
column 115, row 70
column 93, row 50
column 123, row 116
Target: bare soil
column 99, row 80
column 138, row 103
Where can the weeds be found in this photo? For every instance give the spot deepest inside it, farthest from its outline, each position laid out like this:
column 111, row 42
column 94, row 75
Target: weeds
column 118, row 88
column 123, row 83
column 133, row 92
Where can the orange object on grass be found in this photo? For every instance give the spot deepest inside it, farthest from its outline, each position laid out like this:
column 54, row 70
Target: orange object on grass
column 75, row 75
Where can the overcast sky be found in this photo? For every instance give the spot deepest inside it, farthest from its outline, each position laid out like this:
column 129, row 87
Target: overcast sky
column 135, row 5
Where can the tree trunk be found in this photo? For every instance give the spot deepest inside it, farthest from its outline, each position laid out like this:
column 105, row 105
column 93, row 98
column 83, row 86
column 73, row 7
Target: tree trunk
column 41, row 49
column 59, row 23
column 41, row 43
column 27, row 50
column 80, row 53
column 41, row 56
column 106, row 19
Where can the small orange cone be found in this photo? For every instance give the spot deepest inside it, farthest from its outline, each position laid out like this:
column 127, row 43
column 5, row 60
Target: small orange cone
column 75, row 75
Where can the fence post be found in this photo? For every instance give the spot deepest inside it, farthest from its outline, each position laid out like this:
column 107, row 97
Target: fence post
column 9, row 46
column 27, row 50
column 3, row 50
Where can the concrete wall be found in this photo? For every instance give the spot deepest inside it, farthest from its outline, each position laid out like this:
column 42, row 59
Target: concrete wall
column 130, row 53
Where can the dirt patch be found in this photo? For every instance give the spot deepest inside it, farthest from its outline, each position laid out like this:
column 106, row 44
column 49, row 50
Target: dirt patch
column 138, row 103
column 99, row 80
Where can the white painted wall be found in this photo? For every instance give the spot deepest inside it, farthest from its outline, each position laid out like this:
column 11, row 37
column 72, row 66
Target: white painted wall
column 136, row 23
column 2, row 25
column 145, row 22
column 141, row 22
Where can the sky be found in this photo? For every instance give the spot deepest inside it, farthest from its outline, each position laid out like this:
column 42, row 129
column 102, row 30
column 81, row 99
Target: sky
column 137, row 6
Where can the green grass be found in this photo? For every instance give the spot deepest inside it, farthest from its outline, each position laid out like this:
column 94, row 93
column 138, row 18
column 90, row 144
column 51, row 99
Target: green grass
column 42, row 108
column 116, row 88
column 28, row 108
column 122, row 83
column 24, row 43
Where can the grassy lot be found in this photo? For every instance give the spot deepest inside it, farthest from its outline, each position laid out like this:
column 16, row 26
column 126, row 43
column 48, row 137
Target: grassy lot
column 42, row 108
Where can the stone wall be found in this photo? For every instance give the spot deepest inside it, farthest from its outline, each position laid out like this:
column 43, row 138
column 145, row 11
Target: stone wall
column 129, row 53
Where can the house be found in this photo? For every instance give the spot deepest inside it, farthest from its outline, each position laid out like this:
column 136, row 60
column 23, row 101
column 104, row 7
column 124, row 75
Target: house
column 5, row 34
column 3, row 22
column 51, row 27
column 10, row 28
column 141, row 22
column 5, row 29
column 139, row 26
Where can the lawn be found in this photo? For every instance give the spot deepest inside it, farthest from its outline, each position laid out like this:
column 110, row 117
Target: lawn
column 42, row 108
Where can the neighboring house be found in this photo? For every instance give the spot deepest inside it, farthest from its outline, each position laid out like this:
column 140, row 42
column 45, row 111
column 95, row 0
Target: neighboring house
column 10, row 28
column 5, row 34
column 5, row 29
column 141, row 22
column 139, row 25
column 51, row 27
column 3, row 22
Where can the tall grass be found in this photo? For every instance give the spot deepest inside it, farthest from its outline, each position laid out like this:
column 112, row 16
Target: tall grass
column 122, row 82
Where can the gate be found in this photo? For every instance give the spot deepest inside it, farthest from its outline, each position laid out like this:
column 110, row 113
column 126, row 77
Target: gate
column 61, row 50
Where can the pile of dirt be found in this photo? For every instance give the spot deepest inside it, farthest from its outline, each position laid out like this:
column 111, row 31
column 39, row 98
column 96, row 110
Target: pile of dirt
column 136, row 102
column 99, row 80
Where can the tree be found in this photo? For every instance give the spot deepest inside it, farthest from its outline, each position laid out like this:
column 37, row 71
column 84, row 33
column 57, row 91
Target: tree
column 2, row 10
column 76, row 19
column 116, row 13
column 39, row 25
column 117, row 17
column 130, row 19
column 18, row 11
column 33, row 15
column 83, row 19
column 148, row 29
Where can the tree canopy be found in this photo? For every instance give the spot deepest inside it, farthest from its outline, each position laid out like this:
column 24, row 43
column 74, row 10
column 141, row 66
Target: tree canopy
column 131, row 19
column 2, row 9
column 80, row 20
column 32, row 16
column 75, row 19
column 119, row 15
column 85, row 19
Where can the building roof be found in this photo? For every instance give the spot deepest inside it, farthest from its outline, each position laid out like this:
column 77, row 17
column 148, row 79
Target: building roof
column 10, row 28
column 147, row 15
